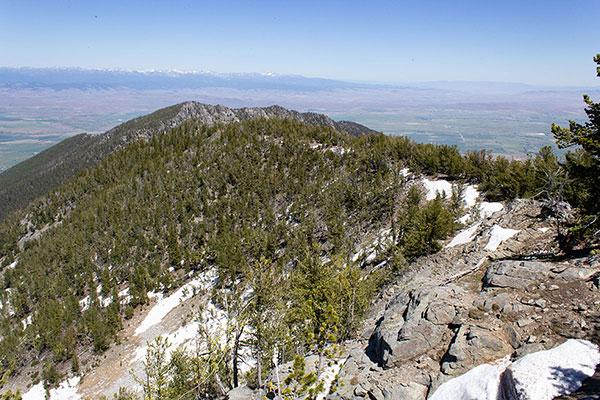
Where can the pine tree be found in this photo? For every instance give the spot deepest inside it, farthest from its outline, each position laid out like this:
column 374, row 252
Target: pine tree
column 155, row 383
column 265, row 310
column 583, row 164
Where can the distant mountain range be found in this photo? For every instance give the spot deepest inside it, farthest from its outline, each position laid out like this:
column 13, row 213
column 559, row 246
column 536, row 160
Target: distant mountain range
column 83, row 78
column 69, row 78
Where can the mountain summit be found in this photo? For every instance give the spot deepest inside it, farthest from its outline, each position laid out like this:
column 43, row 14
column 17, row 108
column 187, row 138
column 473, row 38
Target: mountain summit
column 32, row 178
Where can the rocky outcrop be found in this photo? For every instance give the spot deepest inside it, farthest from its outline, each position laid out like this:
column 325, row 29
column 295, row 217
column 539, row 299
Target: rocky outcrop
column 516, row 274
column 476, row 343
column 244, row 393
column 416, row 323
column 468, row 305
column 521, row 274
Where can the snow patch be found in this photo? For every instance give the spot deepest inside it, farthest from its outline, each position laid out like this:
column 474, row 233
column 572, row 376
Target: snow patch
column 499, row 235
column 543, row 230
column 105, row 301
column 124, row 296
column 479, row 383
column 176, row 339
column 547, row 374
column 36, row 392
column 383, row 239
column 85, row 303
column 444, row 188
column 484, row 208
column 465, row 236
column 464, row 219
column 152, row 295
column 27, row 321
column 214, row 324
column 184, row 334
column 166, row 304
column 488, row 209
column 6, row 303
column 371, row 257
column 470, row 195
column 543, row 375
column 67, row 390
column 381, row 264
column 12, row 265
column 340, row 151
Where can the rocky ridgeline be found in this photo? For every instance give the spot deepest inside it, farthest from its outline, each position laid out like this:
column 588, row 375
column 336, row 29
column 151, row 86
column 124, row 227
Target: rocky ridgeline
column 49, row 169
column 167, row 118
column 468, row 305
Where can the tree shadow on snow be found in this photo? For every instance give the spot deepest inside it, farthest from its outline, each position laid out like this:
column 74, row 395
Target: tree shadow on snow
column 590, row 390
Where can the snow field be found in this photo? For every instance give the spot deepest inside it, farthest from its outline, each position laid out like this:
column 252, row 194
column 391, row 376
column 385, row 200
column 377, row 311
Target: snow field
column 67, row 390
column 465, row 236
column 166, row 304
column 499, row 235
column 543, row 375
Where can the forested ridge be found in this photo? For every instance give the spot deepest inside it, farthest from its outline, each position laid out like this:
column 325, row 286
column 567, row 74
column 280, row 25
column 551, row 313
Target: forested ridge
column 275, row 194
column 52, row 167
column 276, row 206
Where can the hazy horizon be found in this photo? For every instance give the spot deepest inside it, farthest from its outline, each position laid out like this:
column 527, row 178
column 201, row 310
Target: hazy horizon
column 592, row 86
column 537, row 42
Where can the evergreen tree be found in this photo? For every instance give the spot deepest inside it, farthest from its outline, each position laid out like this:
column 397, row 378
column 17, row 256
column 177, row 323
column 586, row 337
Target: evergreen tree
column 583, row 164
column 155, row 383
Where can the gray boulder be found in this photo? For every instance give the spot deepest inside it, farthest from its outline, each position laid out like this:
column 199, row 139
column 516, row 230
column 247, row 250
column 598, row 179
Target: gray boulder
column 516, row 274
column 408, row 391
column 414, row 324
column 242, row 393
column 575, row 273
column 474, row 345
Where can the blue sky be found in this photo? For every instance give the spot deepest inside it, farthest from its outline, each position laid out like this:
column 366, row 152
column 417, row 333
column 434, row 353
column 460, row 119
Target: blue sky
column 530, row 41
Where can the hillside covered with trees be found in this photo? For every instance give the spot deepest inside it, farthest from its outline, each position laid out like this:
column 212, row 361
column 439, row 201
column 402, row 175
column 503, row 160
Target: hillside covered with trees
column 274, row 205
column 52, row 167
column 279, row 208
